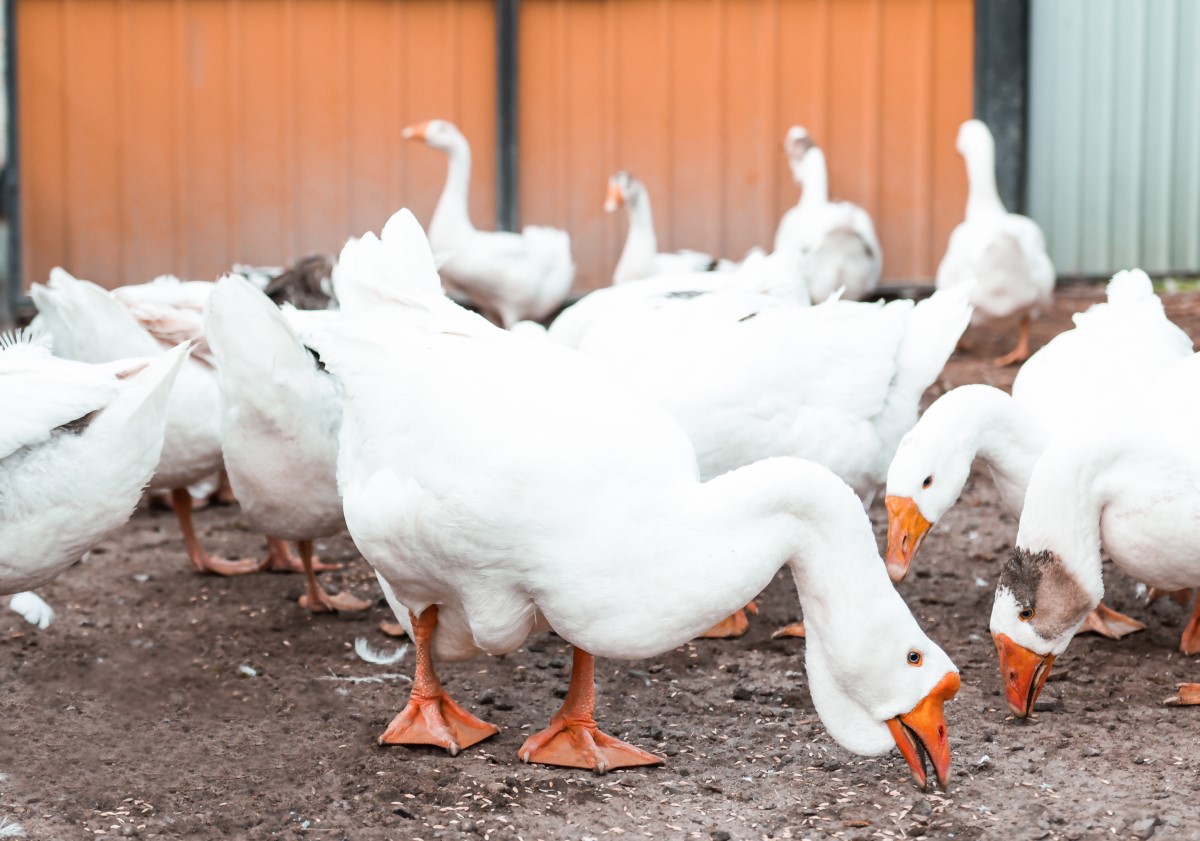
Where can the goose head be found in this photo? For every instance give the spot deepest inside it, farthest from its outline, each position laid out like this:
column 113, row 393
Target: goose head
column 623, row 189
column 926, row 477
column 796, row 143
column 883, row 682
column 975, row 139
column 440, row 134
column 1039, row 606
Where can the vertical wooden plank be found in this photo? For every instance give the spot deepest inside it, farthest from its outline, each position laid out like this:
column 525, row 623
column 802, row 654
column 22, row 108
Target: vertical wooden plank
column 374, row 122
column 852, row 75
column 42, row 125
column 802, row 84
column 148, row 143
column 428, row 95
column 92, row 130
column 476, row 45
column 952, row 92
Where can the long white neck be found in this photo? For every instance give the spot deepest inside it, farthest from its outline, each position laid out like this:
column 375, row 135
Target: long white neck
column 452, row 219
column 983, row 199
column 815, row 179
column 1009, row 442
column 641, row 245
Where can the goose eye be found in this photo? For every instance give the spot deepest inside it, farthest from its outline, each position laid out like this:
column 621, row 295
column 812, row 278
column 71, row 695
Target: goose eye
column 1026, row 614
column 914, row 658
column 928, row 481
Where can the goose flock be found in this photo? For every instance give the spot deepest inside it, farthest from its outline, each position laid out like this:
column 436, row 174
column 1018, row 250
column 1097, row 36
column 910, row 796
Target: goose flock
column 635, row 475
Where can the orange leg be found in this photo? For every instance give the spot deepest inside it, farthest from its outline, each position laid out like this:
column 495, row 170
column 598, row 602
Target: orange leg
column 1189, row 643
column 1187, row 696
column 281, row 559
column 316, row 599
column 731, row 626
column 1021, row 352
column 1109, row 623
column 573, row 740
column 432, row 717
column 202, row 562
column 796, row 629
column 1180, row 597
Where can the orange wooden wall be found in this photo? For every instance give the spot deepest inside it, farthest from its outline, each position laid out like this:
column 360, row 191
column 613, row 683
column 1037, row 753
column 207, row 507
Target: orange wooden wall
column 694, row 97
column 186, row 135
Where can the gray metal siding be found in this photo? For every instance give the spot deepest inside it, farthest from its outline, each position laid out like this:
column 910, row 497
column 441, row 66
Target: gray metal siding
column 1114, row 142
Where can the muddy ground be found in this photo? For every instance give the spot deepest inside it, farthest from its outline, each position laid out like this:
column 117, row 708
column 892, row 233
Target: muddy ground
column 164, row 705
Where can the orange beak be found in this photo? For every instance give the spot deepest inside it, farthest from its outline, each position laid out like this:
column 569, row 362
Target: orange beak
column 615, row 198
column 906, row 529
column 1023, row 672
column 922, row 733
column 415, row 132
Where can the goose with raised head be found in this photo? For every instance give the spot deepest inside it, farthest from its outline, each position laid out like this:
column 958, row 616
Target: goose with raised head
column 509, row 276
column 1003, row 253
column 501, row 507
column 1129, row 485
column 640, row 258
column 1089, row 372
column 280, row 417
column 835, row 240
column 78, row 443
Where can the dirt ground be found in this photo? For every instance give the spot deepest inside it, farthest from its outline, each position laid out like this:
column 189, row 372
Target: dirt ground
column 164, row 705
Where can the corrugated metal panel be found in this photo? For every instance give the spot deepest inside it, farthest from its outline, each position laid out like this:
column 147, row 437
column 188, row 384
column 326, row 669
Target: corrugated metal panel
column 1114, row 159
column 186, row 135
column 694, row 97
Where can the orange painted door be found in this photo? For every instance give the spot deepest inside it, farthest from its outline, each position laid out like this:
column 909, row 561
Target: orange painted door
column 186, row 135
column 694, row 98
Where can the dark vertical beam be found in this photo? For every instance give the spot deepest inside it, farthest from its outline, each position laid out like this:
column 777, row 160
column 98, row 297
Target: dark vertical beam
column 507, row 22
column 1002, row 89
column 10, row 274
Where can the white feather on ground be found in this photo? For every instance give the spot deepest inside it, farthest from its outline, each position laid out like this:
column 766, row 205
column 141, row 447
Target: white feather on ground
column 32, row 608
column 371, row 655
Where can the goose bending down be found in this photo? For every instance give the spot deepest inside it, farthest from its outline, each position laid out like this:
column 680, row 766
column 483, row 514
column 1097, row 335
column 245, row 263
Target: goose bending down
column 839, row 383
column 1130, row 485
column 90, row 325
column 279, row 427
column 78, row 443
column 1090, row 372
column 500, row 507
column 1003, row 253
column 509, row 276
column 640, row 258
column 835, row 240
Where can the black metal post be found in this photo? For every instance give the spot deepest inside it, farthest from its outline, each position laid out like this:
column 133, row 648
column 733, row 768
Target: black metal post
column 507, row 26
column 1002, row 89
column 10, row 274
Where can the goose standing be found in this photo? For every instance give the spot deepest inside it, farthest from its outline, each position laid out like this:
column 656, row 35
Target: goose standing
column 640, row 258
column 1131, row 485
column 499, row 507
column 279, row 427
column 835, row 240
column 1003, row 253
column 1090, row 372
column 78, row 443
column 509, row 276
column 90, row 325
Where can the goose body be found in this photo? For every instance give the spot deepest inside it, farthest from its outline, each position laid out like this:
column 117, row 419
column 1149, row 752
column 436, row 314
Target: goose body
column 1002, row 253
column 835, row 241
column 499, row 508
column 1129, row 485
column 78, row 443
column 510, row 276
column 640, row 258
column 838, row 383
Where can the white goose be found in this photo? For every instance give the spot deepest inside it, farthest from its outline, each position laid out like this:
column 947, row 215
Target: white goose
column 1003, row 253
column 1083, row 374
column 90, row 325
column 500, row 506
column 1130, row 485
column 640, row 258
column 509, row 276
column 279, row 427
column 835, row 240
column 78, row 443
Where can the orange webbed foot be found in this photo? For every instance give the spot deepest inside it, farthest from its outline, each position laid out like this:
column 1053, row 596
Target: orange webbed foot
column 581, row 744
column 393, row 629
column 333, row 602
column 730, row 627
column 437, row 720
column 1187, row 696
column 211, row 565
column 281, row 558
column 796, row 629
column 1109, row 623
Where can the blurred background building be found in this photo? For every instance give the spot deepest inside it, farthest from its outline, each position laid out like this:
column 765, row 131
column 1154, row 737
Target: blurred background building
column 183, row 136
